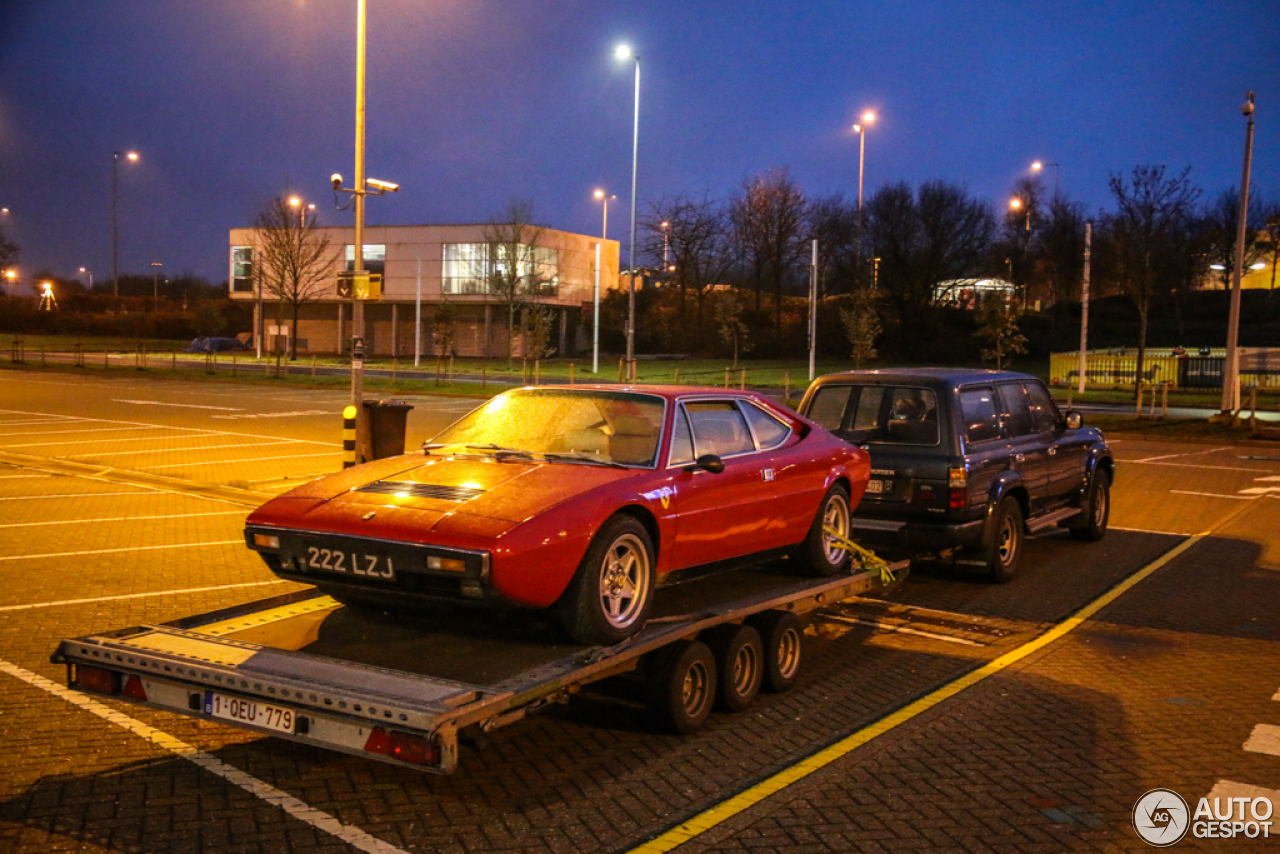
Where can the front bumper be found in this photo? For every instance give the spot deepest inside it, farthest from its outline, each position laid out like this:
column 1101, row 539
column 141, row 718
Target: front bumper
column 417, row 571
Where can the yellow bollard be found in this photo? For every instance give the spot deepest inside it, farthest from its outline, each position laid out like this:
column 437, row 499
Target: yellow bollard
column 348, row 437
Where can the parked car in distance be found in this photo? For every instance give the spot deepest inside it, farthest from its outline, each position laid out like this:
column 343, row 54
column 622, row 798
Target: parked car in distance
column 966, row 462
column 582, row 498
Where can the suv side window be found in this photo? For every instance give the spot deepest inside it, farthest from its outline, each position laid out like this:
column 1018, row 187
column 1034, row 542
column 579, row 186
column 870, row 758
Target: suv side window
column 981, row 420
column 1043, row 411
column 829, row 405
column 1016, row 409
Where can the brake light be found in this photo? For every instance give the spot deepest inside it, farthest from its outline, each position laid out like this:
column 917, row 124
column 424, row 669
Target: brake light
column 97, row 680
column 957, row 491
column 402, row 746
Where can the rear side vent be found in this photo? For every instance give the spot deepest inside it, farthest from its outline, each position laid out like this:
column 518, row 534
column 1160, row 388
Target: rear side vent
column 422, row 490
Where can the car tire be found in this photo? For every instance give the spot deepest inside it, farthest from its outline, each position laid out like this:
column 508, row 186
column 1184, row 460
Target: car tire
column 820, row 555
column 1003, row 539
column 1095, row 510
column 782, row 637
column 739, row 657
column 609, row 597
column 682, row 685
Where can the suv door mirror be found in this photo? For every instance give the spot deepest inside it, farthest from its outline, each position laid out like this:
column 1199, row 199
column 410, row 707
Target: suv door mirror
column 707, row 462
column 1074, row 420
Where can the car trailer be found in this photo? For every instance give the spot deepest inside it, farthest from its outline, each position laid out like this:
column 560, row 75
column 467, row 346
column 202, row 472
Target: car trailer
column 405, row 689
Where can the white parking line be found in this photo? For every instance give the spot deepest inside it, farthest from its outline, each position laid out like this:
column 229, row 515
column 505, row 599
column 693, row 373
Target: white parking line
column 1265, row 738
column 184, row 450
column 1226, row 789
column 79, row 430
column 22, row 476
column 251, row 460
column 1185, row 454
column 66, row 602
column 117, row 551
column 1193, row 466
column 124, row 519
column 1212, row 494
column 78, row 441
column 318, row 819
column 181, row 405
column 896, row 629
column 191, row 429
column 73, row 495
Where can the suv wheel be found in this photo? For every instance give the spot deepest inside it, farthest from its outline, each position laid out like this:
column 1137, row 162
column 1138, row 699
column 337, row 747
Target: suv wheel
column 1002, row 549
column 1095, row 510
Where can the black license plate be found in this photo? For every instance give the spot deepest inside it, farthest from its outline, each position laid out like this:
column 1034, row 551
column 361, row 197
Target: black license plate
column 351, row 562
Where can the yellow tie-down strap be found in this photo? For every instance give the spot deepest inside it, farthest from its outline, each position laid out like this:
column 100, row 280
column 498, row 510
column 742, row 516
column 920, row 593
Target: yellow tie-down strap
column 867, row 558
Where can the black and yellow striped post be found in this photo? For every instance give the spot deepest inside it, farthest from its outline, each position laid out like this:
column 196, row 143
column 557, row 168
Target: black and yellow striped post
column 348, row 437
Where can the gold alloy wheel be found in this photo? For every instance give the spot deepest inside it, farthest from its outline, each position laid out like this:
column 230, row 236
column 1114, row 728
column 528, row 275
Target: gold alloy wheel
column 835, row 515
column 625, row 581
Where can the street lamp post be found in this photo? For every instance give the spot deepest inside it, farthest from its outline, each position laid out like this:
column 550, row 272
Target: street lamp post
column 87, row 272
column 624, row 52
column 1038, row 165
column 595, row 301
column 296, row 202
column 131, row 156
column 860, row 129
column 155, row 285
column 1231, row 369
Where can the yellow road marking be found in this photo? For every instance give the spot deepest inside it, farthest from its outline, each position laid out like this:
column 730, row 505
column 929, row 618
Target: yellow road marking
column 727, row 809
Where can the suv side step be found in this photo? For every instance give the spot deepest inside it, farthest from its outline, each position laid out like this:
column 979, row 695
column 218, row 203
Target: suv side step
column 1039, row 523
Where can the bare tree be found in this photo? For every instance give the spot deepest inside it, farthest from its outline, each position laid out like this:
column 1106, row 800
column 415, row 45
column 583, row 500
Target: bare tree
column 1152, row 211
column 768, row 227
column 1022, row 224
column 698, row 245
column 1061, row 260
column 518, row 267
column 833, row 222
column 294, row 261
column 8, row 255
column 1217, row 225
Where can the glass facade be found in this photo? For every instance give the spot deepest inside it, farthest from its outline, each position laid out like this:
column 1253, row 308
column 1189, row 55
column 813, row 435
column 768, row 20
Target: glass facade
column 241, row 269
column 468, row 267
column 375, row 257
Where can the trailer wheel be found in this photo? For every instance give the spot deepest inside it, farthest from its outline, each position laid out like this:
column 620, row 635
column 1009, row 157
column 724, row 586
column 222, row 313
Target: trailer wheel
column 782, row 636
column 610, row 594
column 739, row 663
column 682, row 685
column 819, row 551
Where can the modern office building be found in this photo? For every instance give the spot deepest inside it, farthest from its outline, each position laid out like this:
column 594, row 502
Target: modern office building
column 448, row 271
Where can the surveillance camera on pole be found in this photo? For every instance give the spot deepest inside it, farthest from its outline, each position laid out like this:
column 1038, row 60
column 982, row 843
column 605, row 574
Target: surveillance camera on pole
column 382, row 187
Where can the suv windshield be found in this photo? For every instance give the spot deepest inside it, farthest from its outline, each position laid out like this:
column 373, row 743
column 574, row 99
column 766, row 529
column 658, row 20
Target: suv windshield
column 877, row 414
column 600, row 425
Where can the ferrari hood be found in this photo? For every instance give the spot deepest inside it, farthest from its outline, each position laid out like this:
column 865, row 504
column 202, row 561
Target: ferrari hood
column 510, row 490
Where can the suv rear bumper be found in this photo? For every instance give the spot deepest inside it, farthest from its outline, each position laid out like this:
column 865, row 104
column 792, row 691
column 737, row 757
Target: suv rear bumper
column 917, row 536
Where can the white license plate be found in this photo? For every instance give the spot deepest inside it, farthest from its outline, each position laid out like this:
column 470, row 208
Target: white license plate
column 249, row 712
column 350, row 563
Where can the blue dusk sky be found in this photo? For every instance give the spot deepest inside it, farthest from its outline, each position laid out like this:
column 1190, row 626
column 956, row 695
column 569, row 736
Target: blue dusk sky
column 472, row 103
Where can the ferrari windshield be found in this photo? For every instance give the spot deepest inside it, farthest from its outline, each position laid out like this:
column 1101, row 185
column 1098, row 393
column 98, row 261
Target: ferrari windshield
column 604, row 426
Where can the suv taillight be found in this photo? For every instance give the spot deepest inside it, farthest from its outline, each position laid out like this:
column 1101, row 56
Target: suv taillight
column 957, row 492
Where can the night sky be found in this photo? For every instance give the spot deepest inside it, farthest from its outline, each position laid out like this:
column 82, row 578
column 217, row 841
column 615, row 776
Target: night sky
column 475, row 102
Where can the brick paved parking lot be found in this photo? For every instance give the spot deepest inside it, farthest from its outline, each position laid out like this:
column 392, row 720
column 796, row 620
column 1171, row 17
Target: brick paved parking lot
column 1170, row 685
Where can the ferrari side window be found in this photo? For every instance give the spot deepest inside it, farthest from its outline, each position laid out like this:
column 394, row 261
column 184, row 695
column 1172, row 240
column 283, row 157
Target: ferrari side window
column 681, row 441
column 718, row 428
column 770, row 432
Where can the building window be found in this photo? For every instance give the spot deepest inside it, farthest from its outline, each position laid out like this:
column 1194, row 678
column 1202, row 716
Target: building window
column 468, row 268
column 241, row 269
column 375, row 258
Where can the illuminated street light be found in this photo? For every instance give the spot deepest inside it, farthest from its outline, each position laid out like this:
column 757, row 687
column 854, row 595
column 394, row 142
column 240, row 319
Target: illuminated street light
column 666, row 243
column 296, row 202
column 1037, row 166
column 595, row 299
column 604, row 228
column 155, row 284
column 868, row 118
column 624, row 52
column 48, row 302
column 132, row 157
column 84, row 271
column 10, row 278
column 1015, row 205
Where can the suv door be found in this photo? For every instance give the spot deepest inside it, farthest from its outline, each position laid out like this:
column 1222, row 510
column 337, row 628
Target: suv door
column 986, row 449
column 1068, row 450
column 1028, row 443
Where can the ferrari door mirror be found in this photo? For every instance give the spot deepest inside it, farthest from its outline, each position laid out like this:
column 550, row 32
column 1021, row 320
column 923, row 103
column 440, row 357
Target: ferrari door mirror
column 707, row 462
